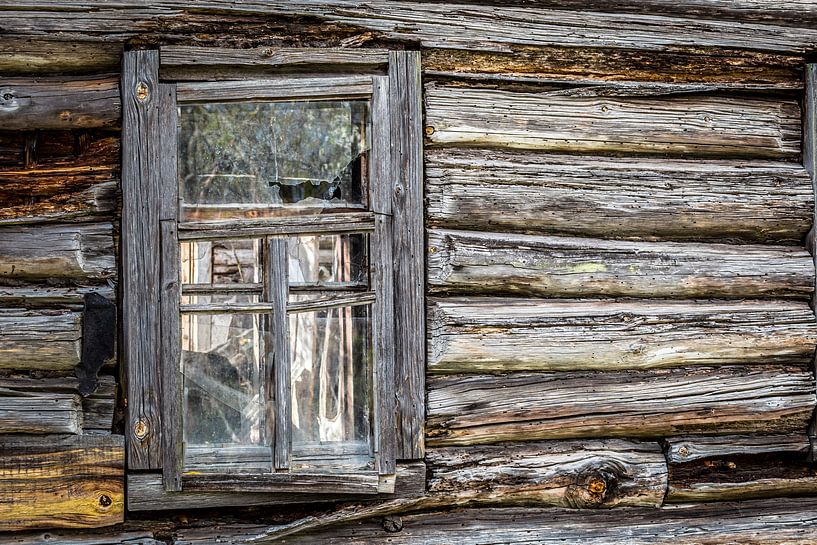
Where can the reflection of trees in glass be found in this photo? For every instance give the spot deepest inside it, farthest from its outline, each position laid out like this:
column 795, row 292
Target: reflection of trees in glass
column 273, row 153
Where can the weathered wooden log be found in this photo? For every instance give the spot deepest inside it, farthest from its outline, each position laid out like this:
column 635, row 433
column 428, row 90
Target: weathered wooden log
column 496, row 335
column 26, row 57
column 585, row 475
column 646, row 198
column 42, row 340
column 147, row 493
column 40, row 413
column 698, row 125
column 96, row 410
column 44, row 296
column 468, row 262
column 465, row 410
column 73, row 482
column 738, row 468
column 59, row 102
column 766, row 522
column 722, row 69
column 492, row 28
column 62, row 251
column 82, row 537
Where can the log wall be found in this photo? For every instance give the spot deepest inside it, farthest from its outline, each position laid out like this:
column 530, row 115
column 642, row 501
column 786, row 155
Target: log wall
column 618, row 282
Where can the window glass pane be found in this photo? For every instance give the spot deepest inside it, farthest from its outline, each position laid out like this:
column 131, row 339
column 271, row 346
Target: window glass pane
column 224, row 391
column 221, row 261
column 220, row 299
column 331, row 388
column 328, row 261
column 257, row 159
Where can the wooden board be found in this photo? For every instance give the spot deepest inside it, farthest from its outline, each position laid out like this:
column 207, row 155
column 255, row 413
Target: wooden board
column 39, row 296
column 498, row 335
column 465, row 410
column 42, row 340
column 469, row 262
column 688, row 448
column 18, row 57
column 644, row 198
column 62, row 482
column 697, row 125
column 59, row 102
column 82, row 252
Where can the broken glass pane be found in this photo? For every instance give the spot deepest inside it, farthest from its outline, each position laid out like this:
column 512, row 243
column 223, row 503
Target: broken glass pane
column 221, row 261
column 328, row 261
column 223, row 380
column 331, row 386
column 260, row 159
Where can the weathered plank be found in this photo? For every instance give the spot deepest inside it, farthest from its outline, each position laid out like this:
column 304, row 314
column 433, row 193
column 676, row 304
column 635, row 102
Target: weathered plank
column 38, row 296
column 498, row 335
column 465, row 410
column 140, row 256
column 767, row 522
column 466, row 262
column 82, row 537
column 700, row 125
column 42, row 340
column 583, row 475
column 58, row 251
column 59, row 102
column 676, row 69
column 40, row 413
column 27, row 57
column 810, row 164
column 448, row 25
column 688, row 448
column 63, row 482
column 407, row 238
column 645, row 198
column 146, row 492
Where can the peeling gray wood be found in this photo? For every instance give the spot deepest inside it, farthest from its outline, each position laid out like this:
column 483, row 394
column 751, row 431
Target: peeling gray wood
column 469, row 262
column 146, row 493
column 72, row 252
column 409, row 286
column 59, row 102
column 700, row 125
column 480, row 409
column 492, row 28
column 40, row 340
column 645, row 198
column 688, row 448
column 498, row 335
column 769, row 522
column 140, row 256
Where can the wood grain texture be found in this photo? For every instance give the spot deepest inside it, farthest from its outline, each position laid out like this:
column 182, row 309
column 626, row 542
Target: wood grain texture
column 674, row 70
column 447, row 25
column 700, row 125
column 645, row 198
column 339, row 87
column 766, row 522
column 59, row 102
column 82, row 537
column 147, row 493
column 480, row 409
column 40, row 413
column 141, row 147
column 42, row 340
column 64, row 482
column 498, row 335
column 409, row 286
column 27, row 57
column 39, row 296
column 71, row 252
column 688, row 448
column 469, row 262
column 810, row 164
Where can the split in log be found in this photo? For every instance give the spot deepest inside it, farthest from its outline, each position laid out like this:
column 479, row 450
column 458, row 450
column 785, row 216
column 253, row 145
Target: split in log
column 27, row 57
column 645, row 198
column 467, row 262
column 58, row 251
column 696, row 125
column 765, row 522
column 59, row 102
column 465, row 410
column 710, row 69
column 147, row 493
column 63, row 482
column 495, row 335
column 445, row 25
column 588, row 475
column 739, row 468
column 41, row 340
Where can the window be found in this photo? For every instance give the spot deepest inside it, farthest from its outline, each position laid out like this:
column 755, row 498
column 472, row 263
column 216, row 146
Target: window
column 259, row 253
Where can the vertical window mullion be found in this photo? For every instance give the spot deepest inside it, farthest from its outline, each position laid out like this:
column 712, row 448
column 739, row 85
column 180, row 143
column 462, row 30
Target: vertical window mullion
column 278, row 369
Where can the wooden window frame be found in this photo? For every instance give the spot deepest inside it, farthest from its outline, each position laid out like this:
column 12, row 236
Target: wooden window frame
column 151, row 233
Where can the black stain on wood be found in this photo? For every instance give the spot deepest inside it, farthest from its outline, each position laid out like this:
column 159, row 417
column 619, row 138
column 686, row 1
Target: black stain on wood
column 98, row 340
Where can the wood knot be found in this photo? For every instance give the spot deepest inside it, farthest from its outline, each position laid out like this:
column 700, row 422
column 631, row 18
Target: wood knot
column 142, row 91
column 104, row 501
column 683, row 451
column 597, row 487
column 429, row 131
column 141, row 430
column 392, row 524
